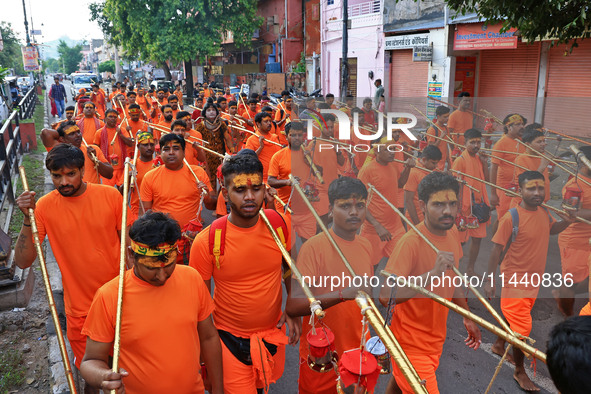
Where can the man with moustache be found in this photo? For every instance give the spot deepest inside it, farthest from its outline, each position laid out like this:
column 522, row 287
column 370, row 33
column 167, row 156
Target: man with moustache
column 59, row 215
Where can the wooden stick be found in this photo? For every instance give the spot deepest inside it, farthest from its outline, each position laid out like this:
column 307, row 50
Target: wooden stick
column 166, row 131
column 525, row 154
column 552, row 160
column 457, row 106
column 48, row 292
column 567, row 136
column 579, row 155
column 94, row 159
column 486, row 304
column 371, row 312
column 315, row 307
column 513, row 194
column 284, row 205
column 512, row 339
column 117, row 341
column 307, row 157
column 200, row 146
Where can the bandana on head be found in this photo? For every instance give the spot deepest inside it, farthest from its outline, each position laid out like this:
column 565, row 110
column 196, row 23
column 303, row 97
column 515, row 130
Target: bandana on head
column 71, row 129
column 135, row 111
column 513, row 119
column 145, row 136
column 145, row 250
column 70, row 112
column 157, row 262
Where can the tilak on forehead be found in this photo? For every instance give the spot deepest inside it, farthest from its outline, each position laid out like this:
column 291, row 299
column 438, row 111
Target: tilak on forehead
column 70, row 111
column 242, row 180
column 152, row 257
column 513, row 119
column 351, row 200
column 71, row 129
column 534, row 183
column 444, row 196
column 134, row 111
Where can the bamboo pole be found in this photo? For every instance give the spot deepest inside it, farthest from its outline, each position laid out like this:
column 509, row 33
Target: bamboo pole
column 94, row 159
column 307, row 157
column 284, row 205
column 117, row 340
column 508, row 337
column 299, row 189
column 457, row 106
column 513, row 194
column 315, row 307
column 579, row 155
column 486, row 304
column 48, row 291
column 369, row 310
column 567, row 136
column 201, row 146
column 553, row 161
column 166, row 131
column 525, row 154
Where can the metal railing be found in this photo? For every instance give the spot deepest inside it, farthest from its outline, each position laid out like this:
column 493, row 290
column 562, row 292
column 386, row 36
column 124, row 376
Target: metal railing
column 369, row 7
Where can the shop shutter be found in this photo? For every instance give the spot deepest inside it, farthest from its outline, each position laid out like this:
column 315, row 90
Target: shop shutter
column 508, row 81
column 568, row 94
column 408, row 82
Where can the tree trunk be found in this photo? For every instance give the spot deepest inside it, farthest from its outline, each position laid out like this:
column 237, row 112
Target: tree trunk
column 189, row 78
column 167, row 74
column 117, row 66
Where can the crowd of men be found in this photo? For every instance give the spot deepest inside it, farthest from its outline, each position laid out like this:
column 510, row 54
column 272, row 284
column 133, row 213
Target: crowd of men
column 253, row 163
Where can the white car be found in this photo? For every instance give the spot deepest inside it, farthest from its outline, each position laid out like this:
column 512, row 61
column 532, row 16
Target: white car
column 24, row 84
column 82, row 81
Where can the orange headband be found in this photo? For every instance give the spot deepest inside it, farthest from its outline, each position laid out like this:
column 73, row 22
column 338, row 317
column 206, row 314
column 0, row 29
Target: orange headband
column 154, row 262
column 514, row 118
column 71, row 129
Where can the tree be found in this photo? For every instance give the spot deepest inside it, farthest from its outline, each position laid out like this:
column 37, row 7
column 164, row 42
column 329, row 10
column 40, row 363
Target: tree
column 69, row 56
column 51, row 65
column 560, row 20
column 107, row 66
column 176, row 30
column 11, row 56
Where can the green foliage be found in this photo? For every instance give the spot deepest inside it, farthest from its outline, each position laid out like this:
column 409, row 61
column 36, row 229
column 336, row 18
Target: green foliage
column 301, row 66
column 11, row 56
column 561, row 20
column 175, row 30
column 51, row 65
column 3, row 73
column 108, row 66
column 69, row 56
column 12, row 369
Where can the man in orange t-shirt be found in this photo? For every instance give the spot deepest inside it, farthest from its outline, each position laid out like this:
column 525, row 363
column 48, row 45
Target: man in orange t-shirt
column 533, row 137
column 318, row 259
column 59, row 215
column 193, row 139
column 429, row 161
column 134, row 124
column 166, row 119
column 420, row 323
column 461, row 119
column 441, row 131
column 143, row 102
column 249, row 114
column 383, row 228
column 118, row 150
column 290, row 160
column 501, row 172
column 264, row 149
column 89, row 123
column 95, row 163
column 153, row 288
column 575, row 252
column 173, row 189
column 97, row 97
column 472, row 162
column 524, row 261
column 247, row 297
column 173, row 101
column 284, row 113
column 143, row 164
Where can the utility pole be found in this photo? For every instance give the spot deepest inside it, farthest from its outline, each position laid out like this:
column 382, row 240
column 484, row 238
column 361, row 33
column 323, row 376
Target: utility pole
column 26, row 25
column 344, row 61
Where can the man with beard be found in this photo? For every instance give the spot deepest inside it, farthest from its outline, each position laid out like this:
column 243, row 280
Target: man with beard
column 284, row 113
column 95, row 163
column 247, row 297
column 173, row 101
column 89, row 124
column 523, row 233
column 382, row 229
column 420, row 322
column 461, row 119
column 173, row 189
column 116, row 152
column 264, row 149
column 134, row 124
column 166, row 119
column 472, row 162
column 157, row 105
column 143, row 164
column 60, row 215
column 501, row 172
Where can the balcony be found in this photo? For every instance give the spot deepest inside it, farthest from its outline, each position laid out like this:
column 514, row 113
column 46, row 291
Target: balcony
column 365, row 8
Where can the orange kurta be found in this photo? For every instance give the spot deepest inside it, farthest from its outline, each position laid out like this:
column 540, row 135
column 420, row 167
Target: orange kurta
column 90, row 173
column 506, row 171
column 443, row 146
column 412, row 185
column 460, row 121
column 268, row 151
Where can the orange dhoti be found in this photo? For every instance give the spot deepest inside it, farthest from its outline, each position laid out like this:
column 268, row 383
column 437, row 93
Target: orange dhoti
column 574, row 262
column 425, row 365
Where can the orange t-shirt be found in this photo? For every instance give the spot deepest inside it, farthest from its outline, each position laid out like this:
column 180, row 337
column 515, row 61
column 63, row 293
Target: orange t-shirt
column 247, row 114
column 280, row 168
column 460, row 121
column 153, row 313
column 174, row 192
column 247, row 297
column 190, row 151
column 471, row 165
column 506, row 171
column 142, row 168
column 327, row 159
column 60, row 218
column 318, row 258
column 420, row 323
column 443, row 146
column 140, row 125
column 412, row 185
column 89, row 129
column 268, row 150
column 528, row 252
column 90, row 173
column 143, row 103
column 385, row 179
column 532, row 163
column 576, row 236
column 115, row 149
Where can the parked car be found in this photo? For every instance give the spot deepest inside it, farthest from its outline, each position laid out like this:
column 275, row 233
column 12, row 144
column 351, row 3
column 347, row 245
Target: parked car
column 24, row 84
column 163, row 84
column 83, row 81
